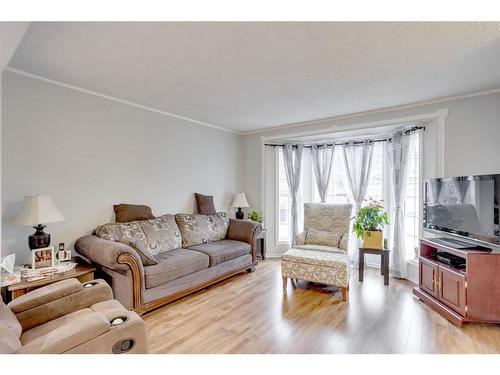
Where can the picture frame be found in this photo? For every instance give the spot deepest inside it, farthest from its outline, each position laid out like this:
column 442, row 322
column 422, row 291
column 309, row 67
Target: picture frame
column 63, row 255
column 42, row 258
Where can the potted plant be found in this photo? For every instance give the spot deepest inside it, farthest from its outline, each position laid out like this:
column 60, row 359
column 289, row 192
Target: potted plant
column 255, row 216
column 368, row 224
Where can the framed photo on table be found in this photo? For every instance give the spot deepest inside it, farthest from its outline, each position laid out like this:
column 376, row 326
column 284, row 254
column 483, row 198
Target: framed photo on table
column 42, row 258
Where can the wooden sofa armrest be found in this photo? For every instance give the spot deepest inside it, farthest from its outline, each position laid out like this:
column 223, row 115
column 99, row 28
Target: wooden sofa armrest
column 118, row 257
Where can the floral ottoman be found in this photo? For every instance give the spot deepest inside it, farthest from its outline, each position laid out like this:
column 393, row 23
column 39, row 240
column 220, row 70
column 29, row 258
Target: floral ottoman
column 316, row 266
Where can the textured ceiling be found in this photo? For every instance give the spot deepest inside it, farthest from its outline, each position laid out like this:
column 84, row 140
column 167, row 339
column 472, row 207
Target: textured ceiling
column 249, row 76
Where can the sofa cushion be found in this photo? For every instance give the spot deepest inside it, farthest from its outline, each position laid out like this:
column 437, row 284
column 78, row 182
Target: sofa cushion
column 222, row 251
column 205, row 204
column 173, row 265
column 131, row 212
column 198, row 229
column 149, row 237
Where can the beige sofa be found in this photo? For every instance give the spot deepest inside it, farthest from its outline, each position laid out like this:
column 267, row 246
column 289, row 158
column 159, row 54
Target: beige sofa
column 152, row 262
column 70, row 317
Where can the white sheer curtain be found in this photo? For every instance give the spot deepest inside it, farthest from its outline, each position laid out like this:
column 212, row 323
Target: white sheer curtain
column 358, row 164
column 322, row 159
column 461, row 188
column 292, row 158
column 398, row 151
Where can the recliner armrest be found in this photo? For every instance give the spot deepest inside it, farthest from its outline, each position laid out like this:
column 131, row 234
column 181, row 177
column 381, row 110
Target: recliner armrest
column 53, row 301
column 45, row 294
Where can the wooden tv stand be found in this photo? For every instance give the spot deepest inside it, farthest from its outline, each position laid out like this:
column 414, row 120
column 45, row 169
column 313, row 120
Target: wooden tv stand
column 461, row 296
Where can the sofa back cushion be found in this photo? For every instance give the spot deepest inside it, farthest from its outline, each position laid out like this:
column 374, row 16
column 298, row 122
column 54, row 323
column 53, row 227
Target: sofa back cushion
column 197, row 229
column 148, row 237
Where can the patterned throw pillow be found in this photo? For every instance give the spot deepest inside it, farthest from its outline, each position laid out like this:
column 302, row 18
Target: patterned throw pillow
column 149, row 237
column 319, row 237
column 198, row 229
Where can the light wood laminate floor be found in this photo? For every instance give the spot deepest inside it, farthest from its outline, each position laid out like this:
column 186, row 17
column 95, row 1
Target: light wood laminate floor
column 249, row 313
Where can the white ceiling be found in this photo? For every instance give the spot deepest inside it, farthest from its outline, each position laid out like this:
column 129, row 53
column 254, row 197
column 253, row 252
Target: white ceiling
column 250, row 76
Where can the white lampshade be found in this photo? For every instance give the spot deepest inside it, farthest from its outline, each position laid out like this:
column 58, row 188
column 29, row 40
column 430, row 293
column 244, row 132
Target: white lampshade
column 38, row 209
column 240, row 201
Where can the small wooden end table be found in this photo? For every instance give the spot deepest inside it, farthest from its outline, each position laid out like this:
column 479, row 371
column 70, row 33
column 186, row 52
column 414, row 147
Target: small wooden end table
column 261, row 244
column 83, row 272
column 384, row 262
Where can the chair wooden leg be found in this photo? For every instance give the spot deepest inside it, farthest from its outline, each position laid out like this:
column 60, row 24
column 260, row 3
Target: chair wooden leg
column 285, row 280
column 344, row 294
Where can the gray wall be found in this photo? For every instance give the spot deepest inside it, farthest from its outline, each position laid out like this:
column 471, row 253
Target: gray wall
column 472, row 138
column 89, row 153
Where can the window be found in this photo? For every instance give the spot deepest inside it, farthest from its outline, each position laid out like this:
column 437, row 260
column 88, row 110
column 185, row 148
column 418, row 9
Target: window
column 411, row 208
column 338, row 190
column 283, row 201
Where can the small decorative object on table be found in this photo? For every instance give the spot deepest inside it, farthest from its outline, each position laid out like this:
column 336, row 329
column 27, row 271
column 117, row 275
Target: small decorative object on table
column 255, row 216
column 42, row 258
column 63, row 255
column 368, row 224
column 239, row 202
column 9, row 273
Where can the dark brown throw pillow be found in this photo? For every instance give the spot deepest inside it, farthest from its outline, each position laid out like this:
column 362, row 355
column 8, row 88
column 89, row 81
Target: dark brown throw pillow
column 132, row 212
column 205, row 204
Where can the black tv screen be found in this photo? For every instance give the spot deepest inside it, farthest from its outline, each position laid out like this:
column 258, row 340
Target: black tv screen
column 465, row 206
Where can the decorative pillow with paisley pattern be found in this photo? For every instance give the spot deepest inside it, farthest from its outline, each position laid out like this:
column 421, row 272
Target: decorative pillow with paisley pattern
column 198, row 229
column 319, row 237
column 149, row 237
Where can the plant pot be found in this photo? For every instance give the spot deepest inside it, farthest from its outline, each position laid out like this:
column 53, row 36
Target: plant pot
column 373, row 239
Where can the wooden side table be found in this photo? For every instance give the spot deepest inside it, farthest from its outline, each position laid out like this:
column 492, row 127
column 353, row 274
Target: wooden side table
column 83, row 272
column 261, row 244
column 384, row 262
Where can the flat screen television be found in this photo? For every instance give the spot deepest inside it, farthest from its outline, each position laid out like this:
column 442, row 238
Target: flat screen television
column 464, row 206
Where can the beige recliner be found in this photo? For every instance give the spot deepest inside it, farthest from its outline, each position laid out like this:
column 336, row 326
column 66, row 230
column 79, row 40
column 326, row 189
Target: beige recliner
column 70, row 317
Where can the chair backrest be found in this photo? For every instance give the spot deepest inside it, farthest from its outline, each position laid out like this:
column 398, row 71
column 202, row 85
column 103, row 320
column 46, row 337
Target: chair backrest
column 333, row 218
column 10, row 330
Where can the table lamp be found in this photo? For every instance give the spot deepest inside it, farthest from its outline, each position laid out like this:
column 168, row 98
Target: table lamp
column 239, row 202
column 38, row 210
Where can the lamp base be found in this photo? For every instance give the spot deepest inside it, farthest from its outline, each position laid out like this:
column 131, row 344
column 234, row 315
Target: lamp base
column 39, row 239
column 239, row 214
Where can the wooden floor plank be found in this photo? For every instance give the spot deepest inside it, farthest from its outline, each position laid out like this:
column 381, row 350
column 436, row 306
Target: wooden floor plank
column 249, row 313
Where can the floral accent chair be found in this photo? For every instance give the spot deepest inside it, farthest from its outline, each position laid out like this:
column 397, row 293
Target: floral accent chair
column 320, row 253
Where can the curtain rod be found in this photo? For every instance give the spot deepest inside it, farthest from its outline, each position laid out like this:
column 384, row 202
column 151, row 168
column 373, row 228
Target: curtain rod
column 413, row 129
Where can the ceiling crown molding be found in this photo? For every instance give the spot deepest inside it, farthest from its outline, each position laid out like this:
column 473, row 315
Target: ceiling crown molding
column 118, row 100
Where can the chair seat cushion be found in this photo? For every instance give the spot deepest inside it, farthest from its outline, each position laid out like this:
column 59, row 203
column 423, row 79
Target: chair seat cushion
column 329, row 249
column 317, row 266
column 222, row 251
column 321, row 258
column 173, row 265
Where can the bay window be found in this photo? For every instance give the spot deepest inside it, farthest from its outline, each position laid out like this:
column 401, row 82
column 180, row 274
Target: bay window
column 338, row 191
